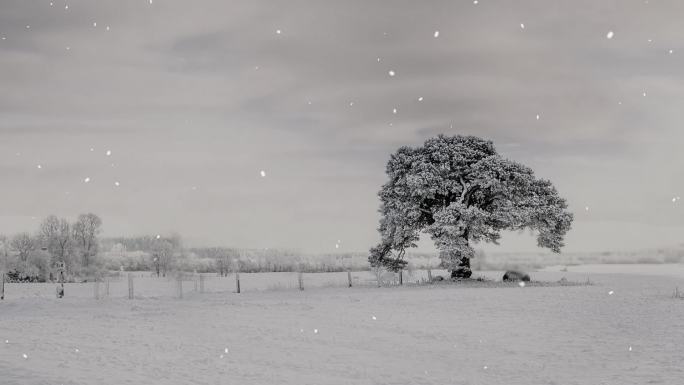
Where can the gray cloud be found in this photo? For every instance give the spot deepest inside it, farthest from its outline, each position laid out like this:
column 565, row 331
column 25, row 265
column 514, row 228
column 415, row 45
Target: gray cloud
column 196, row 99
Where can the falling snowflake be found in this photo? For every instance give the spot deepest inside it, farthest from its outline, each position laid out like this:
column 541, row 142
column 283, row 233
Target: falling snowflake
column 7, row 341
column 586, row 208
column 25, row 356
column 94, row 24
column 28, row 27
column 117, row 184
column 644, row 93
column 263, row 173
column 537, row 116
column 475, row 2
column 108, row 153
column 610, row 292
column 351, row 104
column 420, row 99
column 225, row 350
column 86, row 180
column 107, row 28
column 436, row 34
column 522, row 26
column 630, row 348
column 315, row 331
column 337, row 246
column 39, row 167
column 374, row 318
column 378, row 60
column 278, row 31
column 521, row 284
column 66, row 6
column 221, row 356
column 394, row 111
column 610, row 35
column 158, row 236
column 485, row 367
column 391, row 73
column 671, row 51
column 76, row 350
column 68, row 48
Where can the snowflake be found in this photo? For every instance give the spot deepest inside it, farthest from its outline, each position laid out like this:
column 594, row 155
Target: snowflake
column 644, row 93
column 94, row 24
column 337, row 246
column 225, row 350
column 40, row 166
column 107, row 28
column 537, row 116
column 278, row 31
column 351, row 104
column 436, row 34
column 117, row 184
column 394, row 111
column 610, row 34
column 475, row 2
column 521, row 284
column 420, row 99
column 108, row 153
column 522, row 26
column 158, row 236
column 86, row 180
column 28, row 27
column 586, row 208
column 374, row 318
column 263, row 173
column 391, row 73
column 610, row 292
column 630, row 348
column 25, row 356
column 671, row 51
column 315, row 331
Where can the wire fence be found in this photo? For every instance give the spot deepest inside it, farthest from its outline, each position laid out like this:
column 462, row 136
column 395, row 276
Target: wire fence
column 181, row 285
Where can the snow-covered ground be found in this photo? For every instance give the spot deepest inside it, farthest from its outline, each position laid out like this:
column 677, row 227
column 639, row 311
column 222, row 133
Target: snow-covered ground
column 432, row 334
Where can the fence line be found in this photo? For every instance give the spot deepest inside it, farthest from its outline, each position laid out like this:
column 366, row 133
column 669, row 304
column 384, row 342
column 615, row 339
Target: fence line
column 136, row 285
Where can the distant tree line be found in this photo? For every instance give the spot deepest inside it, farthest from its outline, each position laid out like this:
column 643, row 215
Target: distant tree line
column 57, row 242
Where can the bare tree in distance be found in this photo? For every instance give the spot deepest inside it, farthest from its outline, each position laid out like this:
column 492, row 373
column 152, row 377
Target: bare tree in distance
column 56, row 236
column 85, row 232
column 24, row 244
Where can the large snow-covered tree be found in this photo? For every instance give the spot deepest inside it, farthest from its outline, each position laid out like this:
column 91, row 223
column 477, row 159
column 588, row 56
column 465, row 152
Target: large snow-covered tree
column 458, row 190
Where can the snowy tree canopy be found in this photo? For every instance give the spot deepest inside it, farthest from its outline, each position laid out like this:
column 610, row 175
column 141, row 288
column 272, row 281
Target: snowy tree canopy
column 459, row 190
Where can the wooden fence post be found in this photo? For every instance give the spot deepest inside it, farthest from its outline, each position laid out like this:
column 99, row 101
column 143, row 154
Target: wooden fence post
column 429, row 276
column 130, row 286
column 237, row 282
column 96, row 289
column 179, row 283
column 194, row 281
column 2, row 286
column 201, row 283
column 401, row 277
column 349, row 278
column 107, row 287
column 300, row 278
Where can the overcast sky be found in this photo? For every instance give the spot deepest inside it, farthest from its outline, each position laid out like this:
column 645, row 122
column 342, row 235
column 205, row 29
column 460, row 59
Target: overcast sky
column 195, row 99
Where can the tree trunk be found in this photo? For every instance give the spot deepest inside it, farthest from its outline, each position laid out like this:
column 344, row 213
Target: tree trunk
column 463, row 268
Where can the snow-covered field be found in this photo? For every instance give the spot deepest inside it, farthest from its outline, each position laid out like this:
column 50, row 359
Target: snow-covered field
column 431, row 334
